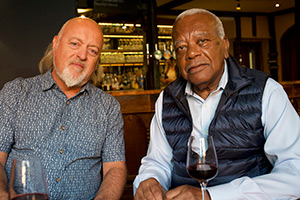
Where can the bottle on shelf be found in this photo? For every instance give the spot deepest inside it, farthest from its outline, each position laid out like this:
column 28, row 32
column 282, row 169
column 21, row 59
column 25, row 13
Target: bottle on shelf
column 123, row 57
column 141, row 81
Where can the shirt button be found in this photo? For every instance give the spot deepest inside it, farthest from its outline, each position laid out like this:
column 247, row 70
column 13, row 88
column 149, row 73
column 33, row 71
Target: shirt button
column 63, row 127
column 57, row 179
column 61, row 151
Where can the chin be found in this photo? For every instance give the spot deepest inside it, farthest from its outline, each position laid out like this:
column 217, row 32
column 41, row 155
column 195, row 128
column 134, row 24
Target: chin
column 197, row 78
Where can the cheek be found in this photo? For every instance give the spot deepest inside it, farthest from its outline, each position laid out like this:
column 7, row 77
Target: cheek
column 91, row 63
column 217, row 61
column 180, row 63
column 61, row 56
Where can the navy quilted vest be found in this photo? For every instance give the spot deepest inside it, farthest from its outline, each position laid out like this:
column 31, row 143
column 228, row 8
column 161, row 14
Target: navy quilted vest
column 236, row 127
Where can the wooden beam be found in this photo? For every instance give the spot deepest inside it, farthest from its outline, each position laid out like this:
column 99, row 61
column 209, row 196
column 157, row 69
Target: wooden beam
column 228, row 13
column 172, row 4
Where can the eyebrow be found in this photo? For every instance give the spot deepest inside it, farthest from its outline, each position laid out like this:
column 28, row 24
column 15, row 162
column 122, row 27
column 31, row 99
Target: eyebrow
column 202, row 33
column 197, row 34
column 176, row 42
column 93, row 45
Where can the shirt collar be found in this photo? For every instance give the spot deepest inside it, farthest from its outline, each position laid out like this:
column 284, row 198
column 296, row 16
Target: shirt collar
column 48, row 83
column 47, row 80
column 221, row 86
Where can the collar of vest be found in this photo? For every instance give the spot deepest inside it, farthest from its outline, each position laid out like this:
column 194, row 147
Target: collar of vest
column 237, row 79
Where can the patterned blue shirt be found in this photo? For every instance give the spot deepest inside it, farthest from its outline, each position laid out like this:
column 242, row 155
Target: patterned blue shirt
column 72, row 137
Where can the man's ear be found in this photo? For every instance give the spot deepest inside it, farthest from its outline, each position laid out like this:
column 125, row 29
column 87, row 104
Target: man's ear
column 54, row 41
column 226, row 47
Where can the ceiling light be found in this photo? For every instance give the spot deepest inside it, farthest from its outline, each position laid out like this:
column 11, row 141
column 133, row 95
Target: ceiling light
column 238, row 7
column 164, row 26
column 277, row 5
column 84, row 10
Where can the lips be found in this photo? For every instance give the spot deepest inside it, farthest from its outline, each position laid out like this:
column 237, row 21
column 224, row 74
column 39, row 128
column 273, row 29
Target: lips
column 196, row 67
column 79, row 66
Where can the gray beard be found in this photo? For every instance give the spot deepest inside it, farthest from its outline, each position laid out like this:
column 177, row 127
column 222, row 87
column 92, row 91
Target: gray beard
column 71, row 80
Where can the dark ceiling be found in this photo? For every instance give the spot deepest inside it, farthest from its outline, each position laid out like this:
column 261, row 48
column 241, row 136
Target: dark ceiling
column 169, row 8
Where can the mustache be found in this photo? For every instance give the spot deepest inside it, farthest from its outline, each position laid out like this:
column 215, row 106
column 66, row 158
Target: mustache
column 77, row 61
column 195, row 64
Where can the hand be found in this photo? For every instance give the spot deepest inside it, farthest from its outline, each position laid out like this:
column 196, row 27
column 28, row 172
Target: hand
column 150, row 189
column 186, row 192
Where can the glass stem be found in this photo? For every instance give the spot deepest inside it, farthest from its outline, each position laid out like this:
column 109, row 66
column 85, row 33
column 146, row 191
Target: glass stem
column 203, row 188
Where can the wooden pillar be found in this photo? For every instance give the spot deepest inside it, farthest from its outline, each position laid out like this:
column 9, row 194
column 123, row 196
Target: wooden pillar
column 272, row 61
column 152, row 75
column 297, row 26
column 237, row 42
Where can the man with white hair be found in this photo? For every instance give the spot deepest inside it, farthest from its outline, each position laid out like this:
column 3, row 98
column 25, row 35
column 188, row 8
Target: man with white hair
column 255, row 128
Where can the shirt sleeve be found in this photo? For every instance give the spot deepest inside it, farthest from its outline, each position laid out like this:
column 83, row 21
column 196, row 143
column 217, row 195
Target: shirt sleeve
column 114, row 146
column 282, row 132
column 157, row 163
column 8, row 103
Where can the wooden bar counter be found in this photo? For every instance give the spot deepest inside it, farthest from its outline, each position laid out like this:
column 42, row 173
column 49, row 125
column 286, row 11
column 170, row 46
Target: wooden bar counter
column 137, row 108
column 136, row 101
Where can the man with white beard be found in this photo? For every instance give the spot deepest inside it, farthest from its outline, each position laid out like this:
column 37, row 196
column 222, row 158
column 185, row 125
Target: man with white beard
column 74, row 128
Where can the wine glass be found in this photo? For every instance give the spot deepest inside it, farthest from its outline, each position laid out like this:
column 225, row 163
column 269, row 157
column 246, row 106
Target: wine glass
column 27, row 180
column 202, row 163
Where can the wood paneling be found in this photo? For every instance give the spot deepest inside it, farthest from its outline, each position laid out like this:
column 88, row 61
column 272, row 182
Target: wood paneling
column 292, row 89
column 137, row 109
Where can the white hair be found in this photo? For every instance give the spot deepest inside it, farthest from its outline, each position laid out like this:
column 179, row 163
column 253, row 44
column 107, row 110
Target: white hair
column 219, row 25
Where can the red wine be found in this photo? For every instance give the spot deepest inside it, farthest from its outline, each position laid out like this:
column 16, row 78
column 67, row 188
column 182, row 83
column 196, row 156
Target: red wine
column 31, row 196
column 202, row 172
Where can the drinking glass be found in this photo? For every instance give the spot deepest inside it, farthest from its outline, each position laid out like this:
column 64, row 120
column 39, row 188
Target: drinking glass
column 27, row 180
column 202, row 162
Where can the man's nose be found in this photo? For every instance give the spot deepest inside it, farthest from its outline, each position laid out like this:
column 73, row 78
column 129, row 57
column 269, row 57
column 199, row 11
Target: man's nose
column 82, row 53
column 193, row 51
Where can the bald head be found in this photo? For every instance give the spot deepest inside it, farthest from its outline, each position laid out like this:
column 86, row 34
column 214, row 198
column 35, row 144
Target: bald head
column 80, row 22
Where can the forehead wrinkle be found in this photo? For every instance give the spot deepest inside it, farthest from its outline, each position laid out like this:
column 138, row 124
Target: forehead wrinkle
column 75, row 38
column 81, row 41
column 201, row 33
column 176, row 42
column 196, row 34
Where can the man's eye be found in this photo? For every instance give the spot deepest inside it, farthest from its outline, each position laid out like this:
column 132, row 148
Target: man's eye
column 93, row 52
column 180, row 48
column 204, row 43
column 74, row 44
